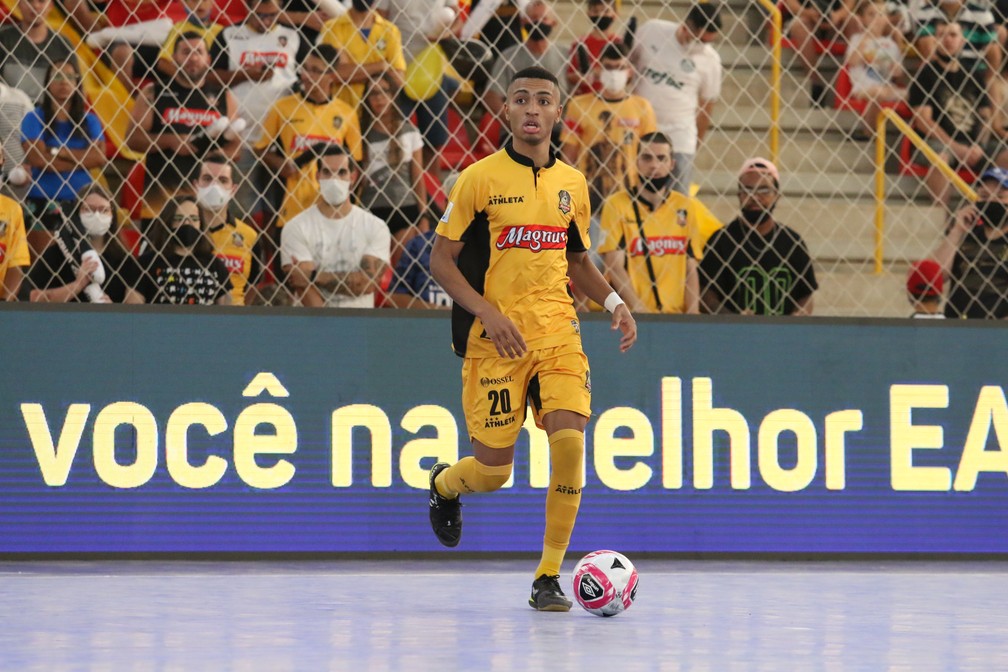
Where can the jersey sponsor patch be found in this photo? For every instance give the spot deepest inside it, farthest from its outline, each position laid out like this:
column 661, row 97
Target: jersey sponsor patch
column 658, row 246
column 234, row 264
column 190, row 117
column 269, row 59
column 532, row 237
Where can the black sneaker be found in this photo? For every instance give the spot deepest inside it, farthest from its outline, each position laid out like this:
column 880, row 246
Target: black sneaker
column 445, row 514
column 547, row 596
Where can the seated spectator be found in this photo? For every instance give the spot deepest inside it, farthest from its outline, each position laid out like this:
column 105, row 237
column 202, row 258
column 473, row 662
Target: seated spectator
column 369, row 46
column 812, row 23
column 86, row 262
column 62, row 142
column 296, row 123
column 411, row 16
column 14, row 253
column 974, row 253
column 175, row 125
column 605, row 128
column 257, row 59
column 586, row 52
column 497, row 23
column 392, row 184
column 14, row 107
column 335, row 253
column 307, row 17
column 413, row 286
column 952, row 111
column 925, row 283
column 179, row 266
column 538, row 50
column 234, row 242
column 129, row 33
column 756, row 265
column 980, row 52
column 653, row 234
column 31, row 48
column 875, row 64
column 202, row 16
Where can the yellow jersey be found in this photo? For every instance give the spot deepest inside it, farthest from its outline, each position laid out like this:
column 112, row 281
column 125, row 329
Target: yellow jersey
column 293, row 125
column 382, row 44
column 670, row 231
column 516, row 223
column 13, row 240
column 604, row 135
column 234, row 243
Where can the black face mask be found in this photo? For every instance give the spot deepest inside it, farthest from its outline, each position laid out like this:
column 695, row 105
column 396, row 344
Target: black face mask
column 187, row 235
column 992, row 213
column 362, row 5
column 537, row 31
column 655, row 184
column 602, row 22
column 756, row 216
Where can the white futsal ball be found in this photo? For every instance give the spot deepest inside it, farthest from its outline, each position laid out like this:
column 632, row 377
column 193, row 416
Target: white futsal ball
column 605, row 583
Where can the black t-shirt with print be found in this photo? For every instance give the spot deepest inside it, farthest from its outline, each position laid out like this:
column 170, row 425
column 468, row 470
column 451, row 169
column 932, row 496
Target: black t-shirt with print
column 178, row 279
column 955, row 99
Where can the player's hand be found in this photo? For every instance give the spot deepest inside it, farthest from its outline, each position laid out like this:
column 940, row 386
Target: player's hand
column 624, row 321
column 504, row 334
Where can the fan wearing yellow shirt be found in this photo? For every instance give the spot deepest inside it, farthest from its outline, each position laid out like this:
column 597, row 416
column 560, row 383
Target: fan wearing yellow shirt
column 298, row 122
column 653, row 236
column 13, row 247
column 371, row 46
column 514, row 233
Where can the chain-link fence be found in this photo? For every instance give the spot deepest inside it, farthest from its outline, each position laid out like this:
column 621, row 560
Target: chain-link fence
column 204, row 128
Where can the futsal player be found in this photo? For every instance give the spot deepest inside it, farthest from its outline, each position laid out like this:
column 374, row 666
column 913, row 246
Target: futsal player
column 515, row 229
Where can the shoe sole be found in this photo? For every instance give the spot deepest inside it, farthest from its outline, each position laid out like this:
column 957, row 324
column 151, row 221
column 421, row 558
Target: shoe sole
column 552, row 607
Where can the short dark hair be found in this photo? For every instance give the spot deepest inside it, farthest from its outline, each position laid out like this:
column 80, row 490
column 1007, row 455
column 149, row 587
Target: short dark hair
column 219, row 159
column 654, row 137
column 187, row 36
column 705, row 17
column 614, row 51
column 323, row 150
column 535, row 72
column 326, row 53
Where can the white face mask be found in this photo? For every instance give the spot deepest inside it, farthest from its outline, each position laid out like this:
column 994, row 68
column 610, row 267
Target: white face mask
column 213, row 197
column 614, row 80
column 96, row 223
column 334, row 191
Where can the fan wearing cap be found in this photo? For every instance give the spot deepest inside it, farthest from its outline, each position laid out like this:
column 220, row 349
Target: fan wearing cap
column 756, row 265
column 924, row 288
column 974, row 252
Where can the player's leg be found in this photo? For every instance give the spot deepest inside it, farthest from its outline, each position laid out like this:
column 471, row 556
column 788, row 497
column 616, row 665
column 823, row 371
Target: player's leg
column 561, row 398
column 493, row 421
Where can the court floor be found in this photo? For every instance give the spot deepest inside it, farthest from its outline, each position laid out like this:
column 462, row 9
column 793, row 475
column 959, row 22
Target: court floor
column 472, row 615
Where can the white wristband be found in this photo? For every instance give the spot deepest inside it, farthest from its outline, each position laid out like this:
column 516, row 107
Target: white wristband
column 612, row 302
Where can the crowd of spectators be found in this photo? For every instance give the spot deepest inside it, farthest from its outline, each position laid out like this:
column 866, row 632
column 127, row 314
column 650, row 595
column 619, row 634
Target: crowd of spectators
column 300, row 151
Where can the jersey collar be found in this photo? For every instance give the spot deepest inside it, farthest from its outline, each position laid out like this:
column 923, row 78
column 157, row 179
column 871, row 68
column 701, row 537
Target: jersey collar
column 524, row 160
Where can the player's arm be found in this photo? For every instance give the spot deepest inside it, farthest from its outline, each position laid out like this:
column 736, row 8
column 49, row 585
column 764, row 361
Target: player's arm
column 499, row 329
column 589, row 280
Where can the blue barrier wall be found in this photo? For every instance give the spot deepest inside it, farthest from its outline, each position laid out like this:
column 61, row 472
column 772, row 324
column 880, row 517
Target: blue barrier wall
column 254, row 431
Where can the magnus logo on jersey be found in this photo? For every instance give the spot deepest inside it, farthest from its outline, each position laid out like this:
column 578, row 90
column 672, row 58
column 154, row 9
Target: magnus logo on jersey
column 269, row 59
column 533, row 237
column 234, row 264
column 189, row 117
column 658, row 246
column 300, row 143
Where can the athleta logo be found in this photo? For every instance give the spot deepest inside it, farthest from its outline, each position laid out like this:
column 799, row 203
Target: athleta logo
column 189, row 117
column 267, row 58
column 534, row 238
column 505, row 200
column 659, row 246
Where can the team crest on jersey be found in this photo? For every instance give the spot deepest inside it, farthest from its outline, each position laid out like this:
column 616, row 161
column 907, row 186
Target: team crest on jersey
column 380, row 44
column 687, row 65
column 3, row 227
column 565, row 201
column 282, row 40
column 681, row 216
column 577, row 326
column 237, row 240
column 337, row 122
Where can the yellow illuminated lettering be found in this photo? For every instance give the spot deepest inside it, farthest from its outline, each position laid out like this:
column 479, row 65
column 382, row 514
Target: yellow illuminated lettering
column 372, row 418
column 55, row 460
column 991, row 409
column 146, row 433
column 707, row 420
column 608, row 448
column 443, row 446
column 838, row 424
column 905, row 437
column 672, row 433
column 248, row 444
column 177, row 445
column 773, row 425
